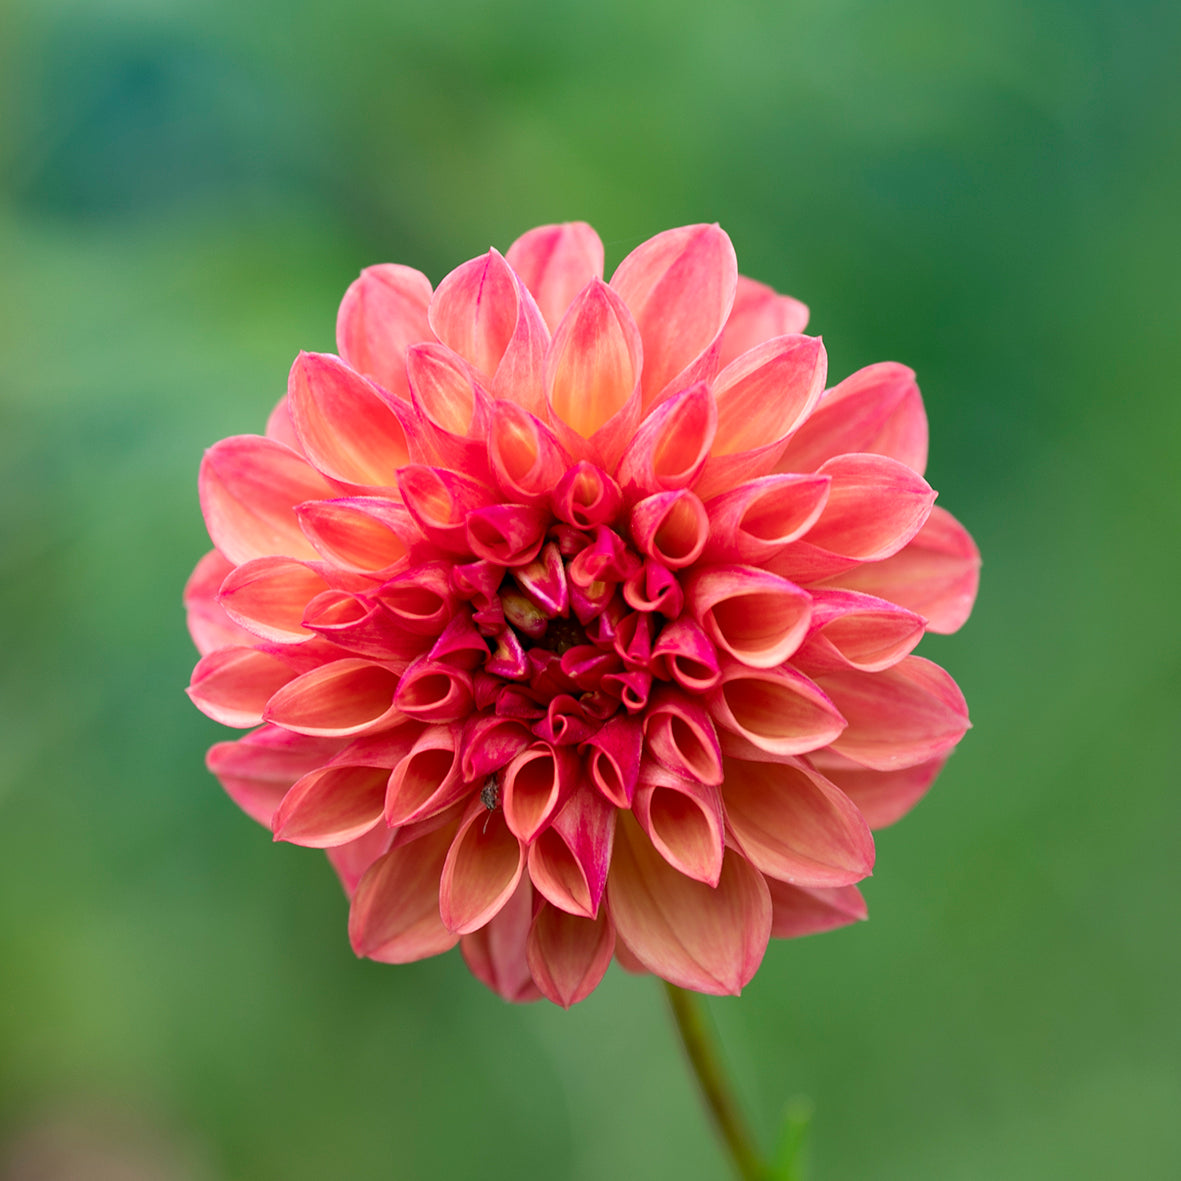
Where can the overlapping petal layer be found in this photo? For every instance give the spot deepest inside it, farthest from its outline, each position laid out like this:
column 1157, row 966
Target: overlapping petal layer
column 574, row 619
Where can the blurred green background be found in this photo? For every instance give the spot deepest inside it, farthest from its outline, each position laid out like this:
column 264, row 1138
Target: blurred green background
column 990, row 193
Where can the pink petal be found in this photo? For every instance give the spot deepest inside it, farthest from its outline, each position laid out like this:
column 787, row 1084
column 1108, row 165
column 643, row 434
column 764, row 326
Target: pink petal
column 794, row 824
column 427, row 779
column 361, row 627
column 681, row 735
column 483, row 867
column 496, row 952
column 586, row 496
column 672, row 444
column 556, row 262
column 394, row 916
column 757, row 519
column 258, row 770
column 680, row 288
column 434, row 691
column 936, row 574
column 382, row 314
column 352, row 860
column 683, row 820
column 686, row 654
column 453, row 409
column 708, row 939
column 280, row 427
column 882, row 797
column 534, row 786
column 654, row 588
column 346, row 428
column 233, row 685
column 851, row 630
column 439, row 501
column 909, row 714
column 269, row 595
column 527, row 459
column 878, row 409
column 614, row 762
column 778, row 710
column 670, row 528
column 759, row 313
column 340, row 698
column 331, row 806
column 474, row 310
column 568, row 862
column 520, row 376
column 249, row 487
column 799, row 910
column 507, row 534
column 756, row 616
column 569, row 955
column 421, row 600
column 363, row 534
column 490, row 743
column 592, row 376
column 210, row 627
column 875, row 506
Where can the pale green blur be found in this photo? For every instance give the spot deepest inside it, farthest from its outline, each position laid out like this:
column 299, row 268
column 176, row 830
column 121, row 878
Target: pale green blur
column 989, row 193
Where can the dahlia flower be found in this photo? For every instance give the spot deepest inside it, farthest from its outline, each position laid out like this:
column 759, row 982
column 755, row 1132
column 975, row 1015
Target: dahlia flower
column 574, row 619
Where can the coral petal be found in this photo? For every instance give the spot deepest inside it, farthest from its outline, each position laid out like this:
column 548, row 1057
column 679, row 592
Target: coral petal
column 233, row 685
column 680, row 735
column 496, row 952
column 672, row 444
column 483, row 867
column 209, row 625
column 269, row 595
column 474, row 310
column 568, row 955
column 556, row 262
column 568, row 862
column 759, row 313
column 777, row 710
column 340, row 698
column 801, row 910
column 683, row 820
column 710, row 939
column 882, row 797
column 331, row 806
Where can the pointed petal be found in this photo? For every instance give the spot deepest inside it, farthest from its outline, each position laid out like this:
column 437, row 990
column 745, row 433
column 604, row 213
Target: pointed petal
column 258, row 770
column 568, row 862
column 878, row 409
column 586, row 496
column 340, row 698
column 526, row 458
column 568, row 955
column 483, row 867
column 434, row 691
column 520, row 376
column 394, row 916
column 496, row 952
column 683, row 820
column 439, row 500
column 936, row 574
column 352, row 860
column 427, row 779
column 672, row 444
column 882, row 797
column 233, row 685
column 906, row 715
column 280, row 427
column 507, row 534
column 851, row 630
column 757, row 519
column 209, row 625
column 361, row 627
column 592, row 376
column 474, row 310
column 759, row 313
column 613, row 765
column 681, row 735
column 346, row 428
column 382, row 314
column 269, row 595
column 680, row 288
column 534, row 786
column 794, row 824
column 708, row 939
column 778, row 710
column 757, row 617
column 556, row 262
column 331, row 806
column 670, row 528
column 686, row 654
column 362, row 534
column 249, row 487
column 799, row 910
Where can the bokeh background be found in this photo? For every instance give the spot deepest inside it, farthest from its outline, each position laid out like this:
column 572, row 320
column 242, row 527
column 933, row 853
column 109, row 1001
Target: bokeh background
column 989, row 192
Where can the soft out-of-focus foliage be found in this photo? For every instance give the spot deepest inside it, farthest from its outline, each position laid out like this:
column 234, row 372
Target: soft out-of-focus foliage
column 987, row 194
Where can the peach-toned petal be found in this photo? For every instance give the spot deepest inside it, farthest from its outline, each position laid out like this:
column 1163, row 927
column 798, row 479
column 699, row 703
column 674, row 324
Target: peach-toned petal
column 680, row 288
column 346, row 428
column 209, row 625
column 794, row 824
column 526, row 458
column 684, row 822
column 363, row 534
column 439, row 500
column 337, row 699
column 755, row 520
column 878, row 409
column 936, row 574
column 851, row 630
column 352, row 860
column 474, row 310
column 535, row 785
column 801, row 910
column 394, row 916
column 496, row 952
column 434, row 691
column 483, row 867
column 568, row 862
column 268, row 596
column 280, row 427
column 909, row 714
column 233, row 685
column 592, row 376
column 249, row 487
column 759, row 313
column 567, row 954
column 427, row 779
column 778, row 710
column 680, row 734
column 759, row 618
column 672, row 444
column 710, row 939
column 613, row 762
column 684, row 653
column 383, row 312
column 882, row 797
column 331, row 806
column 556, row 262
column 670, row 528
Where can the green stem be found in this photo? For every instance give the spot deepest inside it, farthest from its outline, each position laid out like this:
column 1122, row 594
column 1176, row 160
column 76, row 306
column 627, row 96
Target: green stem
column 689, row 1015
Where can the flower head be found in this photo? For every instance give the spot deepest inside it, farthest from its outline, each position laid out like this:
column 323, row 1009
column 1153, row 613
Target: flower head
column 574, row 619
